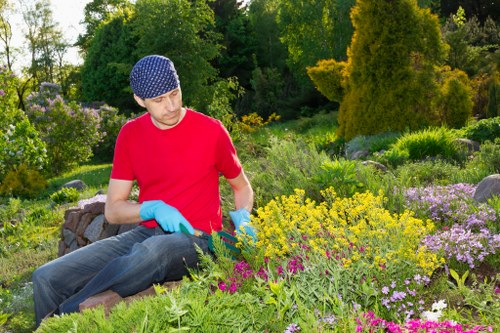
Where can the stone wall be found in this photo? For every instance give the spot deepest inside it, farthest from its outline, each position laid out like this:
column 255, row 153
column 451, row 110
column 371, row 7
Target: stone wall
column 85, row 225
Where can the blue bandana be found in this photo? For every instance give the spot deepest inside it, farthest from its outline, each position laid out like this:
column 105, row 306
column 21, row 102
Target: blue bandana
column 153, row 76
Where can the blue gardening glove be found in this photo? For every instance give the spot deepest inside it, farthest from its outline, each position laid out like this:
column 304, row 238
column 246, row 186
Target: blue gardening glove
column 240, row 218
column 168, row 217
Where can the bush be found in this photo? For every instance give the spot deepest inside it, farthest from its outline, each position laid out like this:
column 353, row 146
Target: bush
column 20, row 145
column 429, row 143
column 454, row 100
column 69, row 130
column 426, row 173
column 482, row 130
column 23, row 182
column 339, row 174
column 65, row 195
column 329, row 78
column 488, row 158
column 287, row 165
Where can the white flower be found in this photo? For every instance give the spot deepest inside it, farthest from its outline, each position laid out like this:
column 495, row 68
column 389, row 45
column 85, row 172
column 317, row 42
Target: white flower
column 431, row 315
column 441, row 305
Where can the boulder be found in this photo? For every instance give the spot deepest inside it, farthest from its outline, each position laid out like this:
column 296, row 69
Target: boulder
column 470, row 145
column 77, row 183
column 376, row 165
column 487, row 187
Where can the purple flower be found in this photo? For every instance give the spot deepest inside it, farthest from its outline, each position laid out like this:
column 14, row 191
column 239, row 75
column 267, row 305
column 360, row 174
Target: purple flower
column 292, row 328
column 385, row 290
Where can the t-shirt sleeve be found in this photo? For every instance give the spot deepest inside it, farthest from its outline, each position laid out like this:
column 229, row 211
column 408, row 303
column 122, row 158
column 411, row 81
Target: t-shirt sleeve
column 227, row 161
column 122, row 165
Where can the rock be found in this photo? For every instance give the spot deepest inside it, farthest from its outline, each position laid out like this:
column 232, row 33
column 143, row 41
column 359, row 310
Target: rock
column 94, row 208
column 72, row 220
column 77, row 183
column 376, row 165
column 69, row 237
column 487, row 187
column 360, row 154
column 94, row 229
column 470, row 145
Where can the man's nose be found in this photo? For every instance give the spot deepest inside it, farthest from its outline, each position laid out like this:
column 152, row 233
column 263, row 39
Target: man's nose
column 169, row 105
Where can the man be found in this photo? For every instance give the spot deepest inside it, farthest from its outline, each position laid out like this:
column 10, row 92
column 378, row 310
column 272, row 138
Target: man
column 176, row 156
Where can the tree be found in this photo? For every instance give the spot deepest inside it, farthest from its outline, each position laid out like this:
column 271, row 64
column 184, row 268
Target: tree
column 238, row 44
column 45, row 41
column 108, row 63
column 183, row 31
column 314, row 30
column 392, row 80
column 270, row 51
column 6, row 34
column 97, row 12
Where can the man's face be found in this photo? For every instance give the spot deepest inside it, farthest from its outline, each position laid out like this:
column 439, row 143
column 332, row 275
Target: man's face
column 165, row 110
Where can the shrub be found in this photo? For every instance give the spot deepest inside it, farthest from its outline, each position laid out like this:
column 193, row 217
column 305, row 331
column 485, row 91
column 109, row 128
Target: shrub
column 110, row 125
column 482, row 130
column 22, row 182
column 339, row 174
column 285, row 166
column 454, row 100
column 429, row 143
column 488, row 158
column 20, row 145
column 329, row 78
column 69, row 130
column 426, row 173
column 65, row 195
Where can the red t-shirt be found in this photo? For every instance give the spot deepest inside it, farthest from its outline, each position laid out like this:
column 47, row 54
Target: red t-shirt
column 180, row 166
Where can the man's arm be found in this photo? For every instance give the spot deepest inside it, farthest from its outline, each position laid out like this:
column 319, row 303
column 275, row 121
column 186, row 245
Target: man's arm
column 118, row 208
column 243, row 192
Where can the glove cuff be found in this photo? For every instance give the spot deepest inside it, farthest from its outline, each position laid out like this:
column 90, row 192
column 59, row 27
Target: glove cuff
column 239, row 217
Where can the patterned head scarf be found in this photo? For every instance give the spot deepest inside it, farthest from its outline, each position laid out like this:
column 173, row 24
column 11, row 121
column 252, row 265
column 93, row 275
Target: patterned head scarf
column 153, row 76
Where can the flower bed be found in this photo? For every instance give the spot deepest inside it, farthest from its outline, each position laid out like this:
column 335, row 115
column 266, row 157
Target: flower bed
column 339, row 265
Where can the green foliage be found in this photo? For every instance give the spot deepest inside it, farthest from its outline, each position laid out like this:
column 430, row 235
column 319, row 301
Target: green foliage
column 429, row 143
column 426, row 173
column 314, row 30
column 482, row 130
column 225, row 91
column 69, row 130
column 454, row 101
column 287, row 165
column 238, row 44
column 23, row 182
column 470, row 43
column 493, row 108
column 488, row 158
column 65, row 195
column 329, row 78
column 110, row 125
column 109, row 59
column 340, row 174
column 20, row 144
column 390, row 69
column 268, row 85
column 8, row 98
column 192, row 47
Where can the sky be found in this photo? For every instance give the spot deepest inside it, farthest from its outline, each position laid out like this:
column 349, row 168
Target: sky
column 68, row 14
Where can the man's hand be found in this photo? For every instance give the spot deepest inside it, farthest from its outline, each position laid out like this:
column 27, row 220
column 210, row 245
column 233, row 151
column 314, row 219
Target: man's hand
column 241, row 219
column 168, row 217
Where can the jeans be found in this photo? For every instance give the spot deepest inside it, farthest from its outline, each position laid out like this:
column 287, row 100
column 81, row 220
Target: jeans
column 126, row 264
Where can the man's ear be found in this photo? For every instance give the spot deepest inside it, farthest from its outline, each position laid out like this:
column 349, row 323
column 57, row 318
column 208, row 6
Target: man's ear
column 139, row 101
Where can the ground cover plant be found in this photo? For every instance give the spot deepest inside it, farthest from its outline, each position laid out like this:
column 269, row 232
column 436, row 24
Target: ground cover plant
column 342, row 247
